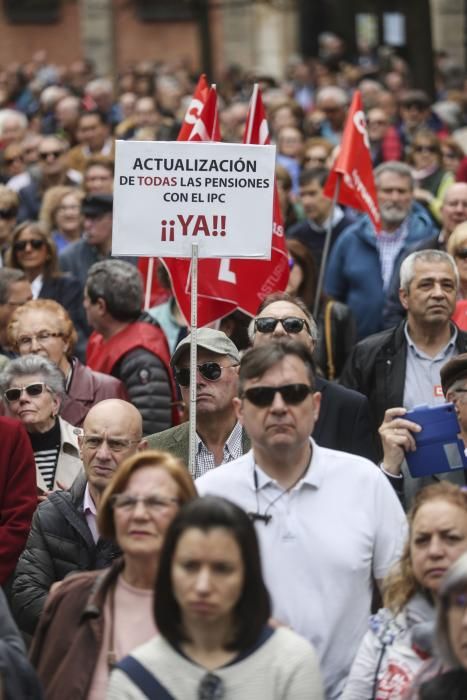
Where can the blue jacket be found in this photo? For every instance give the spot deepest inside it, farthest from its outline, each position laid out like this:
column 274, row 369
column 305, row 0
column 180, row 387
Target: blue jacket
column 353, row 273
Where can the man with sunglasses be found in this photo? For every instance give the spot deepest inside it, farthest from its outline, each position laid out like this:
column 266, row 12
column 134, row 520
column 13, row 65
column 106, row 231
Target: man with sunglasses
column 52, row 169
column 328, row 522
column 344, row 420
column 64, row 536
column 220, row 437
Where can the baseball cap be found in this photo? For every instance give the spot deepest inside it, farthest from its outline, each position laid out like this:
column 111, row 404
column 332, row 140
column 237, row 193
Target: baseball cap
column 208, row 339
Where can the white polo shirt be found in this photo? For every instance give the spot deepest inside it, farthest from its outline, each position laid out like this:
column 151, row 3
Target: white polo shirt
column 341, row 525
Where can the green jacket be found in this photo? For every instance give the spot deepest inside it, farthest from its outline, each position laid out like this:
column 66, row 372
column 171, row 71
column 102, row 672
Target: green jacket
column 176, row 441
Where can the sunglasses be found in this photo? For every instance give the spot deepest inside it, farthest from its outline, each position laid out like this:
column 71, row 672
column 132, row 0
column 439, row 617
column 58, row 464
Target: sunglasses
column 291, row 324
column 209, row 370
column 54, row 154
column 35, row 243
column 425, row 149
column 8, row 213
column 263, row 396
column 462, row 254
column 10, row 161
column 36, row 389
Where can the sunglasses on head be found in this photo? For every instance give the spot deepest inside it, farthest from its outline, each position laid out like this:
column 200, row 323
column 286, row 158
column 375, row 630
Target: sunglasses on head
column 35, row 243
column 291, row 324
column 263, row 396
column 14, row 394
column 462, row 254
column 209, row 370
column 54, row 154
column 8, row 213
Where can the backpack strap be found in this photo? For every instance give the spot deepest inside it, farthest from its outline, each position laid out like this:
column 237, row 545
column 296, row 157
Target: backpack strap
column 143, row 679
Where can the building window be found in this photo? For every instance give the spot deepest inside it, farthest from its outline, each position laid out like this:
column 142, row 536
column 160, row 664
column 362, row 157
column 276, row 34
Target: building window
column 160, row 10
column 32, row 11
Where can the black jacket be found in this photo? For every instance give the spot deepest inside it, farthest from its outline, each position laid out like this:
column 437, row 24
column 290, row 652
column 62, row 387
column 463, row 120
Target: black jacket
column 344, row 420
column 60, row 542
column 376, row 368
column 343, row 336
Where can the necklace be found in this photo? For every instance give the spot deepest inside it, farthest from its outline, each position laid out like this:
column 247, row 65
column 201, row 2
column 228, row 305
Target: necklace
column 266, row 517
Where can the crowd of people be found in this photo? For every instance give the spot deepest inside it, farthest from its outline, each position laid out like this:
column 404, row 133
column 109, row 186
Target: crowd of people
column 296, row 557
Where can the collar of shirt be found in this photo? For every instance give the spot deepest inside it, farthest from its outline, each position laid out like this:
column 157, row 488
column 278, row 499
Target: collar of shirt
column 313, row 476
column 89, row 507
column 335, row 218
column 233, row 444
column 395, row 236
column 36, row 286
column 441, row 353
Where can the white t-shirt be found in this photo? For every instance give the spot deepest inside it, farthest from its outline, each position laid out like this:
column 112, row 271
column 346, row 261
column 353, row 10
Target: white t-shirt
column 339, row 527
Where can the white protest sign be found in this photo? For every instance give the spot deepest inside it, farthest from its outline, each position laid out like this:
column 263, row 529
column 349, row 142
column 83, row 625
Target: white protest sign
column 168, row 195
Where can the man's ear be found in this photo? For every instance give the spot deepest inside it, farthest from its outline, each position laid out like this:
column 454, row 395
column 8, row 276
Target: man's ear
column 238, row 407
column 404, row 298
column 101, row 305
column 142, row 445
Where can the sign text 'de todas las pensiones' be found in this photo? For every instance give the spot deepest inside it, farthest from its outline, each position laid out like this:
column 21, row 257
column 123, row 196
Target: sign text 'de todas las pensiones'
column 169, row 194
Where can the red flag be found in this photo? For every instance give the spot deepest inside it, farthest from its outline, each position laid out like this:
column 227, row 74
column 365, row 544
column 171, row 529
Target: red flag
column 227, row 284
column 211, row 304
column 353, row 166
column 194, row 108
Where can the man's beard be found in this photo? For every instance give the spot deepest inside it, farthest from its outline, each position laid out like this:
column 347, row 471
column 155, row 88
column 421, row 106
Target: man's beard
column 393, row 215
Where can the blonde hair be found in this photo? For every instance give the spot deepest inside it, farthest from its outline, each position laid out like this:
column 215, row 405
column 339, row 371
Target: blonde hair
column 400, row 584
column 457, row 238
column 52, row 200
column 70, row 335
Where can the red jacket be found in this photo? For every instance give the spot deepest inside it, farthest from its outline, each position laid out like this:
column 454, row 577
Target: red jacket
column 18, row 493
column 104, row 355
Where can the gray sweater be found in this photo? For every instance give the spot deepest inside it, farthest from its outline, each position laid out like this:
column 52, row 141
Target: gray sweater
column 284, row 667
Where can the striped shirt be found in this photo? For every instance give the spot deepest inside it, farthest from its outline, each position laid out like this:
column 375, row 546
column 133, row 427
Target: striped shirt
column 46, row 447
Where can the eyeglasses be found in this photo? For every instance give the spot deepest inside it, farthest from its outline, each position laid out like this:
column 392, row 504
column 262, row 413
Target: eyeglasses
column 35, row 243
column 263, row 396
column 93, row 442
column 36, row 389
column 291, row 324
column 211, row 687
column 8, row 213
column 450, row 154
column 315, row 159
column 462, row 254
column 426, row 149
column 41, row 337
column 209, row 370
column 45, row 155
column 153, row 504
column 10, row 161
column 69, row 207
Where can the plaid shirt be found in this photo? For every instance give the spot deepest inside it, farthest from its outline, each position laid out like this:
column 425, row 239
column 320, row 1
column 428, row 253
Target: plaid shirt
column 232, row 450
column 389, row 245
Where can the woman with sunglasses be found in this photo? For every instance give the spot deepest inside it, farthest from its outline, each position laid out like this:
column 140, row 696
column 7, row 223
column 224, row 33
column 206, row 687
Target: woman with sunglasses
column 34, row 252
column 32, row 388
column 431, row 180
column 211, row 609
column 399, row 638
column 94, row 619
column 43, row 327
column 61, row 215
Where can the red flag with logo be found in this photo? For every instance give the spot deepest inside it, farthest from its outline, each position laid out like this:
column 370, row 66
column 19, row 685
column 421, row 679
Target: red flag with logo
column 354, row 168
column 227, row 284
column 159, row 294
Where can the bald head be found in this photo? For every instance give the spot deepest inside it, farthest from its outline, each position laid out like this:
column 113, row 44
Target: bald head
column 113, row 431
column 454, row 207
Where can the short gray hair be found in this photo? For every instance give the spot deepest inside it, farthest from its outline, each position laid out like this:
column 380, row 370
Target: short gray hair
column 396, row 168
column 332, row 92
column 407, row 271
column 8, row 276
column 49, row 373
column 7, row 113
column 120, row 285
column 454, row 580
